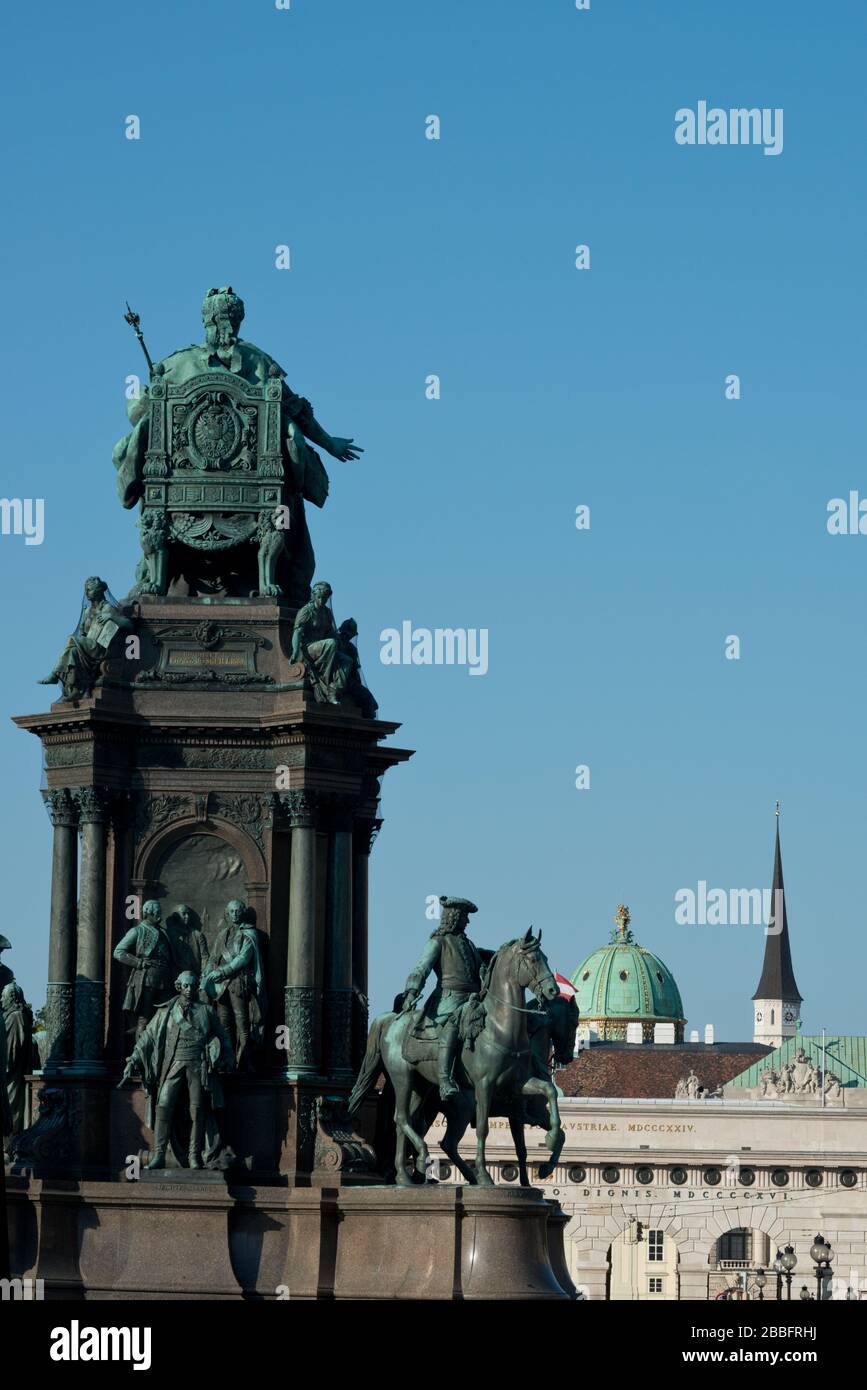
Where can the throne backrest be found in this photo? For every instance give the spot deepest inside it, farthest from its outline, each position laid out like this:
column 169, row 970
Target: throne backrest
column 213, row 446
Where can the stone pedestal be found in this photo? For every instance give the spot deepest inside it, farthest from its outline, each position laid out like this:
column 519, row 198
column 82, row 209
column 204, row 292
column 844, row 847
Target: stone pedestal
column 557, row 1223
column 206, row 770
column 167, row 1238
column 443, row 1242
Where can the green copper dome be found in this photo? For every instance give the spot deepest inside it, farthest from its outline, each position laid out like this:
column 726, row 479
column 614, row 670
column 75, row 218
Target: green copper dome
column 623, row 983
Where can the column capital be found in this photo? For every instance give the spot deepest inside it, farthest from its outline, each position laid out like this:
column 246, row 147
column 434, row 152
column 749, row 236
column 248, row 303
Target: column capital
column 61, row 806
column 302, row 808
column 366, row 830
column 94, row 804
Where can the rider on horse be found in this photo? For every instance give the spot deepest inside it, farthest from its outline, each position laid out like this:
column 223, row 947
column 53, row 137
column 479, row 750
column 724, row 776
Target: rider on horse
column 458, row 967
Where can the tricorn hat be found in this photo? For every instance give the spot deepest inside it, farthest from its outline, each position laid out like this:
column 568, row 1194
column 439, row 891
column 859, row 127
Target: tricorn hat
column 458, row 904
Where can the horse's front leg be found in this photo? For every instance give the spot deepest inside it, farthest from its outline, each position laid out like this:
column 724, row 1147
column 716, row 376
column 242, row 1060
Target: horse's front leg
column 458, row 1111
column 555, row 1137
column 419, row 1126
column 403, row 1094
column 483, row 1106
column 401, row 1104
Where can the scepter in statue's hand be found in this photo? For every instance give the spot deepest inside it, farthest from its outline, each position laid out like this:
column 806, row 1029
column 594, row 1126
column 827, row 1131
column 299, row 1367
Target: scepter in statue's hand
column 134, row 321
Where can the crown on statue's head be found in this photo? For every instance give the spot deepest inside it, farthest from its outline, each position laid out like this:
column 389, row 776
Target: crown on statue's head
column 223, row 300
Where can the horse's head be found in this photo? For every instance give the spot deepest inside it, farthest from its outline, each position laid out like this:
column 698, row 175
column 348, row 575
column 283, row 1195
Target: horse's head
column 557, row 1019
column 529, row 968
column 563, row 1021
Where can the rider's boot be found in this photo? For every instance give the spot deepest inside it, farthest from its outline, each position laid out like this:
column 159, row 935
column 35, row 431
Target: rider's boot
column 448, row 1046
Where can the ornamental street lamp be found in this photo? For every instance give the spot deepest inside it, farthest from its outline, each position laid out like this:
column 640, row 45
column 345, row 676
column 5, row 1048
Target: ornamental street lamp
column 760, row 1279
column 783, row 1266
column 820, row 1252
column 806, row 1296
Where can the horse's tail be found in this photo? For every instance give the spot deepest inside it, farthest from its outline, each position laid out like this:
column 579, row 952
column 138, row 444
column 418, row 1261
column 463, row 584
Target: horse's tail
column 372, row 1064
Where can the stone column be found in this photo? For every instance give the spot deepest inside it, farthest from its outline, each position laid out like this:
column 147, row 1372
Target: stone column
column 366, row 832
column 93, row 809
column 59, row 1046
column 300, row 995
column 338, row 945
column 118, row 875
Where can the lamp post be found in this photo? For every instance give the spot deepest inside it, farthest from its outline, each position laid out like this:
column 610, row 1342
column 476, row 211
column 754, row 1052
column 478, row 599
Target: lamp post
column 806, row 1296
column 820, row 1252
column 760, row 1279
column 783, row 1265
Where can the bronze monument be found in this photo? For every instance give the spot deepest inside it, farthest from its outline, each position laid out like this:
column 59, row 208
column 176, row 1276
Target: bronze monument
column 214, row 769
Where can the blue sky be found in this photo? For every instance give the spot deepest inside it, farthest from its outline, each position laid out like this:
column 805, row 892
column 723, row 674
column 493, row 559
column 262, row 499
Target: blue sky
column 605, row 387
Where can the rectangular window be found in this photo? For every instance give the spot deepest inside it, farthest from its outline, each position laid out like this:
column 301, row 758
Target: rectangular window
column 735, row 1247
column 654, row 1286
column 654, row 1245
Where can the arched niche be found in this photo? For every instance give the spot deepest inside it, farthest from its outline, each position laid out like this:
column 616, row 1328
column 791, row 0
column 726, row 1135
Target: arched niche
column 204, row 870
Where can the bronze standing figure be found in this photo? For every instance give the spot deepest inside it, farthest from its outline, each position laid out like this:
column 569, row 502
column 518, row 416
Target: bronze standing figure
column 182, row 1050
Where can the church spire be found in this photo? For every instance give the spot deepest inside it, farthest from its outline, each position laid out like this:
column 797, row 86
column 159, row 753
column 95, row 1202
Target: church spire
column 777, row 998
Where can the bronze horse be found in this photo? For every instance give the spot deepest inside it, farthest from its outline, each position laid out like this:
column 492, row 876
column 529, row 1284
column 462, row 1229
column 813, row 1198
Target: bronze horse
column 495, row 1073
column 551, row 1028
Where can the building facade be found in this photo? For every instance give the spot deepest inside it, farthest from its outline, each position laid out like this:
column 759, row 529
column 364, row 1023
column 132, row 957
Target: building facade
column 690, row 1170
column 686, row 1199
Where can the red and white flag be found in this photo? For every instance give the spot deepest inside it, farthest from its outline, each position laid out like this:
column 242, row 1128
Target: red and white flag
column 567, row 989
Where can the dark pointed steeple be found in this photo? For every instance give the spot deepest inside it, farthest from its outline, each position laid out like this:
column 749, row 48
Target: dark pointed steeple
column 778, row 977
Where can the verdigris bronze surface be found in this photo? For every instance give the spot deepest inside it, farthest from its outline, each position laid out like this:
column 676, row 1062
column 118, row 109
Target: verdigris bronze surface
column 78, row 667
column 18, row 1031
column 496, row 1068
column 5, row 1108
column 147, row 949
column 328, row 652
column 353, row 682
column 6, row 975
column 219, row 458
column 457, row 964
column 6, row 1121
column 189, row 943
column 235, row 982
column 181, row 1052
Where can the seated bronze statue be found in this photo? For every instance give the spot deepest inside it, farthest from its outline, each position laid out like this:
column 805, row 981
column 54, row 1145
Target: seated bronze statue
column 220, row 459
column 329, row 653
column 79, row 665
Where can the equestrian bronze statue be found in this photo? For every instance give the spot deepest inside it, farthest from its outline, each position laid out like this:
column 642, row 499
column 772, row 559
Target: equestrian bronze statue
column 489, row 1064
